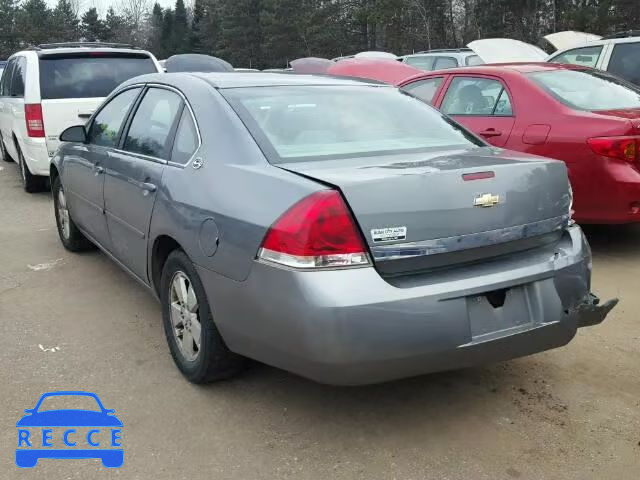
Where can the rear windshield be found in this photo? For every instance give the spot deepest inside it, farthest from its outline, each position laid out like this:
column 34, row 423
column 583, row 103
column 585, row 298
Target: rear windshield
column 588, row 89
column 305, row 123
column 89, row 76
column 473, row 60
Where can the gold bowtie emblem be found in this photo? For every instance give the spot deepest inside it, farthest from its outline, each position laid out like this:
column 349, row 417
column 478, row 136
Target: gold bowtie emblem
column 486, row 200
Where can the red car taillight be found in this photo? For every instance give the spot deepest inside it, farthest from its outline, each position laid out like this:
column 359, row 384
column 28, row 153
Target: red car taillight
column 33, row 117
column 623, row 148
column 317, row 232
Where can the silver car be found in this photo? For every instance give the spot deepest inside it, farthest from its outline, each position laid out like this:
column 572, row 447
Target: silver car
column 338, row 229
column 441, row 59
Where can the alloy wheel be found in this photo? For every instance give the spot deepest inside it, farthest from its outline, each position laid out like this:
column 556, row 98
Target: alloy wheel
column 185, row 319
column 63, row 214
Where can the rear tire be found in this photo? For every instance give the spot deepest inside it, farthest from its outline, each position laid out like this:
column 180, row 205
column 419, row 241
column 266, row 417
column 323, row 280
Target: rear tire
column 3, row 152
column 72, row 239
column 184, row 315
column 31, row 183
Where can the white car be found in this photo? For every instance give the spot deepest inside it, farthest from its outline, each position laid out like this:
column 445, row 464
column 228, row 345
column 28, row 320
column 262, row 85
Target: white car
column 443, row 58
column 618, row 54
column 47, row 88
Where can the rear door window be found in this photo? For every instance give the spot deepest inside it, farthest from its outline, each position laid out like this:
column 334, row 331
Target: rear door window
column 105, row 129
column 154, row 123
column 625, row 61
column 18, row 78
column 425, row 90
column 585, row 56
column 477, row 96
column 445, row 62
column 89, row 76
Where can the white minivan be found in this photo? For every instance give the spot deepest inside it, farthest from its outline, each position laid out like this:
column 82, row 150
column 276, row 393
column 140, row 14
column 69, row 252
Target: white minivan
column 45, row 89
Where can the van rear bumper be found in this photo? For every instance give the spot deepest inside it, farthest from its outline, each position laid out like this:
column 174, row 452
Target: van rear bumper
column 36, row 156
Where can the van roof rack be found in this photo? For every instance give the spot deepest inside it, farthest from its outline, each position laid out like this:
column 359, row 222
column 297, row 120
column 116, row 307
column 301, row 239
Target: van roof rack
column 48, row 46
column 625, row 34
column 444, row 50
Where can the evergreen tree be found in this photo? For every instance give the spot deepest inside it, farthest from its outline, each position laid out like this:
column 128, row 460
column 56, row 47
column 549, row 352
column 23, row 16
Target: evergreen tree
column 9, row 38
column 241, row 36
column 92, row 27
column 155, row 31
column 180, row 31
column 195, row 36
column 113, row 26
column 65, row 22
column 166, row 41
column 33, row 22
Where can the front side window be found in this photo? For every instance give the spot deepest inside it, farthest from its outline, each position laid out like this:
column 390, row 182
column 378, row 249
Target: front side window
column 425, row 90
column 588, row 89
column 625, row 61
column 18, row 78
column 152, row 125
column 422, row 62
column 476, row 96
column 312, row 123
column 585, row 56
column 89, row 75
column 186, row 142
column 106, row 126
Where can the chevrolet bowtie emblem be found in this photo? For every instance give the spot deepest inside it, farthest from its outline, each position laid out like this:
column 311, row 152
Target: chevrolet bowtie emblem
column 486, row 200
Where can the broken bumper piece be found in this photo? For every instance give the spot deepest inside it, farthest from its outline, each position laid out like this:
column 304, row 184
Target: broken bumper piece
column 590, row 312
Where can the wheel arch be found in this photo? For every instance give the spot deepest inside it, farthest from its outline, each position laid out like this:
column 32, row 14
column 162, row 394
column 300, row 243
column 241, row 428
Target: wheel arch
column 162, row 247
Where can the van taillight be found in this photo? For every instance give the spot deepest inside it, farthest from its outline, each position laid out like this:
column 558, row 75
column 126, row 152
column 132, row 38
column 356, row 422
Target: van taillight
column 623, row 148
column 33, row 117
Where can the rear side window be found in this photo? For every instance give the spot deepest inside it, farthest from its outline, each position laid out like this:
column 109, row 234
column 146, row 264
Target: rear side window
column 423, row 63
column 445, row 62
column 6, row 79
column 585, row 56
column 18, row 78
column 107, row 123
column 186, row 142
column 625, row 61
column 473, row 60
column 152, row 126
column 588, row 89
column 89, row 76
column 424, row 89
column 476, row 96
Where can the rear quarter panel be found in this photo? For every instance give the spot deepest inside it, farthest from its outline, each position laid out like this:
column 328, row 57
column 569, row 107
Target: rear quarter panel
column 236, row 191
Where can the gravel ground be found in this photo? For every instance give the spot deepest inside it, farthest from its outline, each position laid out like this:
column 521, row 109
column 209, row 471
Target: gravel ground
column 572, row 413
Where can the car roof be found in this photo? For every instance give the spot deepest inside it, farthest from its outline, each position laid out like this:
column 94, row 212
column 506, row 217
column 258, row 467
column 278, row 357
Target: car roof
column 222, row 80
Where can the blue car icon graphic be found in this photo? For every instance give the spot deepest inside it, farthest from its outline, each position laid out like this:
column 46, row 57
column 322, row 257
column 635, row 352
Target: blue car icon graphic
column 37, row 429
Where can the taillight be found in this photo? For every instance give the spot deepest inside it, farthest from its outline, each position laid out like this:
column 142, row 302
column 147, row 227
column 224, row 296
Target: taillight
column 317, row 232
column 33, row 117
column 622, row 148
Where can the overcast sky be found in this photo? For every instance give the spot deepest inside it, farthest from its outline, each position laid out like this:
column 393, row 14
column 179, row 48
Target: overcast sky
column 103, row 5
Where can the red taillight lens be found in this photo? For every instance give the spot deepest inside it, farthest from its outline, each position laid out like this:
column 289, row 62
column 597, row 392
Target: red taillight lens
column 33, row 117
column 622, row 148
column 316, row 232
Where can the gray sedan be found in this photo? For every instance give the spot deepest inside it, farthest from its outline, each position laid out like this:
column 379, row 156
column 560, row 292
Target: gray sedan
column 337, row 229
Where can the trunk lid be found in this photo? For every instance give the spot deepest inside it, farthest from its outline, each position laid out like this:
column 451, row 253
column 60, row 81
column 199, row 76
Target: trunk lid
column 427, row 210
column 506, row 50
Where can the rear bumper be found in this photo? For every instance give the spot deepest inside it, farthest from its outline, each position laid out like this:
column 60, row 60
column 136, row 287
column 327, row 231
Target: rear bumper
column 352, row 327
column 36, row 155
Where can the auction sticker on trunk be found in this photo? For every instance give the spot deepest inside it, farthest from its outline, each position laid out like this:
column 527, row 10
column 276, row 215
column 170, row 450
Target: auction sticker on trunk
column 388, row 234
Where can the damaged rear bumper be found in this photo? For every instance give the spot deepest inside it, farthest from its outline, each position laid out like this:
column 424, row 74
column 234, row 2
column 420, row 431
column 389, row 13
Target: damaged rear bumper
column 590, row 312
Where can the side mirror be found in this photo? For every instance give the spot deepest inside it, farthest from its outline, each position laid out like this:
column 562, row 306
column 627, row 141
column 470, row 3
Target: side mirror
column 75, row 134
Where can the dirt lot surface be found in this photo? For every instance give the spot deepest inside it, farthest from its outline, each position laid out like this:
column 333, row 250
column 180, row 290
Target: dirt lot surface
column 572, row 413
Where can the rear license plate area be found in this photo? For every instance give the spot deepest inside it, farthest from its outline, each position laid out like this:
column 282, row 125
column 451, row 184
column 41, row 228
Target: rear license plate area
column 497, row 313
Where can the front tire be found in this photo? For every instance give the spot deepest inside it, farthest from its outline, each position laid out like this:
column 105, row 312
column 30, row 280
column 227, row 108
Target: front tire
column 31, row 183
column 72, row 239
column 195, row 343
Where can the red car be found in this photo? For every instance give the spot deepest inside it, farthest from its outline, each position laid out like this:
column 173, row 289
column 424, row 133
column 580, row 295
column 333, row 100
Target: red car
column 587, row 118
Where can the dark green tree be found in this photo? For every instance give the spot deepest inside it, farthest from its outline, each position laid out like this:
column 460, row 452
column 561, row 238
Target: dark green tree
column 9, row 35
column 92, row 28
column 33, row 23
column 114, row 26
column 241, row 35
column 65, row 22
column 195, row 36
column 154, row 42
column 180, row 32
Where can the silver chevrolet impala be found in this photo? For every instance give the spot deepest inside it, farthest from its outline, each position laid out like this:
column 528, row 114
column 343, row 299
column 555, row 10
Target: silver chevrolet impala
column 338, row 229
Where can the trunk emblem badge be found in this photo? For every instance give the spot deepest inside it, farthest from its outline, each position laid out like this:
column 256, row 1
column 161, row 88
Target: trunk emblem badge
column 486, row 200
